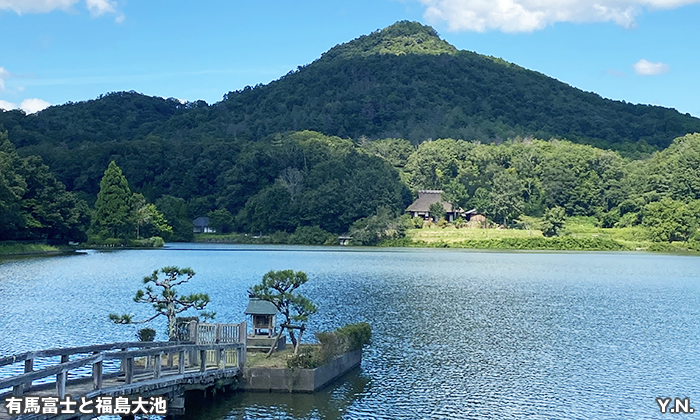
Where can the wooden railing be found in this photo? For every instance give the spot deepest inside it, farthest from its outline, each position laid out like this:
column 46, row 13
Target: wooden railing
column 167, row 359
column 217, row 333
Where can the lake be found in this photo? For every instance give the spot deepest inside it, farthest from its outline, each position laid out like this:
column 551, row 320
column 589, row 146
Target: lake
column 456, row 334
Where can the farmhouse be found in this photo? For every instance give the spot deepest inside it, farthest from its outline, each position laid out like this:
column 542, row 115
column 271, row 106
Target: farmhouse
column 421, row 207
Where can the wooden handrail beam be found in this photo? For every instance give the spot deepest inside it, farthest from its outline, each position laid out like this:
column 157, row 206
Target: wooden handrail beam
column 68, row 351
column 49, row 371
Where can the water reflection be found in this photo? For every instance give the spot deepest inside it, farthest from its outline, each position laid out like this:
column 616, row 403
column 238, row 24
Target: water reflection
column 332, row 403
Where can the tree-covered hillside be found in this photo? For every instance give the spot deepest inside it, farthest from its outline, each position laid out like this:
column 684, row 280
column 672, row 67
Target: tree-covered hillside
column 403, row 81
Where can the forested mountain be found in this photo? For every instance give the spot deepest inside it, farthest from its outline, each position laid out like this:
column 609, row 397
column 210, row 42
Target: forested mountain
column 403, row 81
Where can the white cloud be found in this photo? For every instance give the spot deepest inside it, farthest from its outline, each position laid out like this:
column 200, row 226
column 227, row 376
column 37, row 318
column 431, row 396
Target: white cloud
column 647, row 68
column 7, row 105
column 102, row 7
column 35, row 6
column 29, row 106
column 532, row 15
column 96, row 7
column 33, row 105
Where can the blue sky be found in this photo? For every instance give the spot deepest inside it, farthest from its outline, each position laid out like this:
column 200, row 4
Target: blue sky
column 55, row 51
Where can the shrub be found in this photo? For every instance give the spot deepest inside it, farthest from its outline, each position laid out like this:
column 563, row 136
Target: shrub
column 306, row 359
column 332, row 344
column 114, row 242
column 152, row 242
column 459, row 223
column 417, row 222
column 310, row 235
column 357, row 334
column 146, row 334
column 553, row 221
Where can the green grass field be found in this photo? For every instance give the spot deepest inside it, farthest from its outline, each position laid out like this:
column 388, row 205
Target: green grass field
column 579, row 233
column 452, row 235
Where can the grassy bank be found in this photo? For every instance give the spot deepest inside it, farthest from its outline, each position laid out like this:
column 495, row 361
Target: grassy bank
column 579, row 234
column 12, row 249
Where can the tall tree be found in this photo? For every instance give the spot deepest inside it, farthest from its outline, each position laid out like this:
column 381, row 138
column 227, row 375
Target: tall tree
column 112, row 208
column 506, row 196
column 174, row 209
column 49, row 210
column 149, row 221
column 12, row 188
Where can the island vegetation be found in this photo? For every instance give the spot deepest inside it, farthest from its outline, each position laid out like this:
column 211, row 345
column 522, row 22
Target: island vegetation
column 161, row 293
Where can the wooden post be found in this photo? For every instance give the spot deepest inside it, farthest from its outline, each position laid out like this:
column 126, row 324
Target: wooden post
column 243, row 332
column 193, row 332
column 218, row 333
column 97, row 375
column 217, row 357
column 156, row 365
column 121, row 363
column 61, row 383
column 181, row 362
column 18, row 390
column 221, row 353
column 241, row 357
column 65, row 358
column 170, row 360
column 129, row 377
column 202, row 360
column 28, row 367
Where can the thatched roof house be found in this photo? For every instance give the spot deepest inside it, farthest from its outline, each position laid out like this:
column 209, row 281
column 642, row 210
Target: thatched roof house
column 421, row 207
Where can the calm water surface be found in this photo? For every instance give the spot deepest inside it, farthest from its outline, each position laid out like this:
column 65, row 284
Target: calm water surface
column 456, row 334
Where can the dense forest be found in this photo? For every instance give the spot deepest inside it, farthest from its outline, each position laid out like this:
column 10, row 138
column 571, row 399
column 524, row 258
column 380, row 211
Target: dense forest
column 307, row 180
column 347, row 141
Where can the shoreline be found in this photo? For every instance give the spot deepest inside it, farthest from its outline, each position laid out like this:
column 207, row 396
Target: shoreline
column 32, row 250
column 564, row 243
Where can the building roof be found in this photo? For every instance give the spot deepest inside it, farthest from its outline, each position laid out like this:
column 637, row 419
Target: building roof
column 260, row 307
column 428, row 197
column 201, row 221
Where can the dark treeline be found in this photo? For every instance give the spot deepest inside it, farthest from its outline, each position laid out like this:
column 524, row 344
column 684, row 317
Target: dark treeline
column 33, row 204
column 308, row 180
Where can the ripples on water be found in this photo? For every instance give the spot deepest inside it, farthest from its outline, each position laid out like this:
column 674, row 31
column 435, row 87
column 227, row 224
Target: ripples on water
column 456, row 334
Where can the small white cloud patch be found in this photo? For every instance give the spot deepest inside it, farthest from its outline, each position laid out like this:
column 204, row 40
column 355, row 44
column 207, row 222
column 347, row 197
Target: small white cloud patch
column 532, row 15
column 95, row 7
column 647, row 68
column 7, row 105
column 33, row 105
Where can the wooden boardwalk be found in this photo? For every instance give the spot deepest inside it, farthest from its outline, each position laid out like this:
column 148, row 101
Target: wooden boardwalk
column 136, row 370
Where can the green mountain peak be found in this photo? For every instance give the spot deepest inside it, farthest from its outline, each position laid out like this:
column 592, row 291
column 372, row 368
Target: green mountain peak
column 401, row 38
